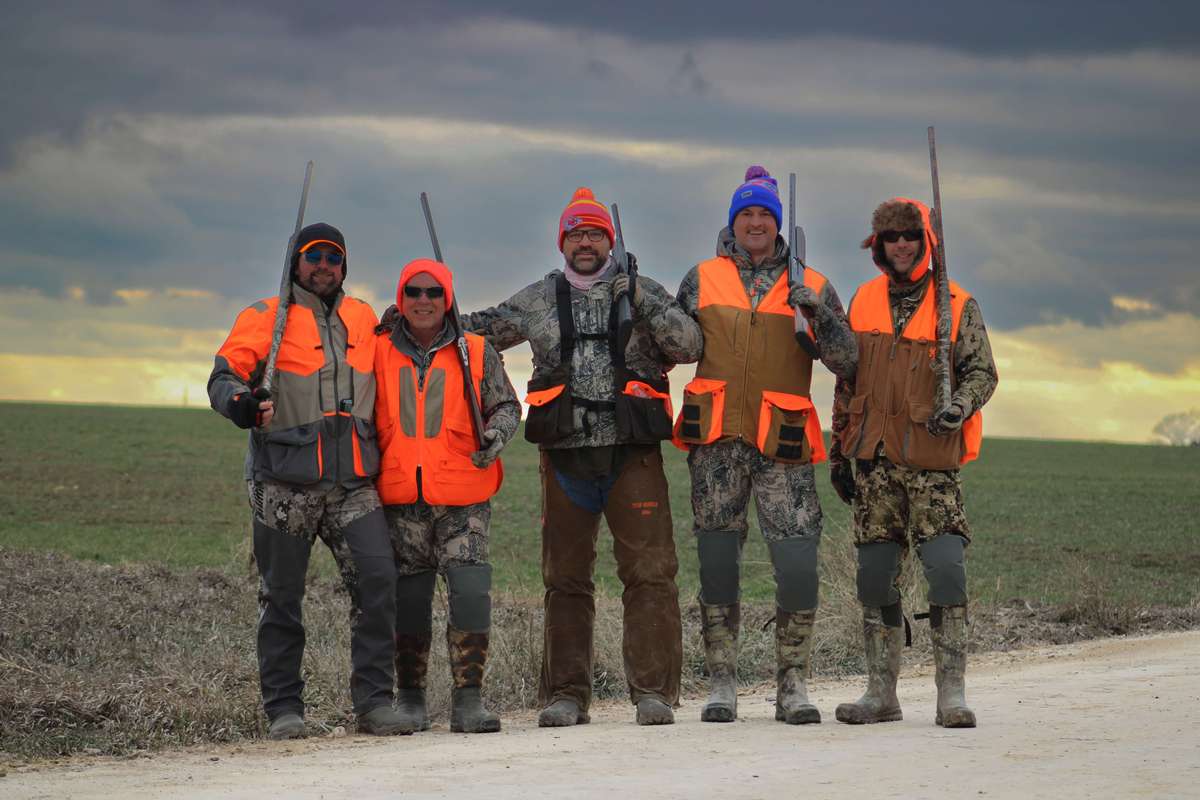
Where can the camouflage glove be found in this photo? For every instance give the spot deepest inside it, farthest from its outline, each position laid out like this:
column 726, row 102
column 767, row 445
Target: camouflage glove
column 389, row 320
column 947, row 422
column 493, row 444
column 841, row 475
column 801, row 298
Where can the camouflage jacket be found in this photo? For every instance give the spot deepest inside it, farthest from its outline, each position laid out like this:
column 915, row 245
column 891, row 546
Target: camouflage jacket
column 662, row 337
column 499, row 404
column 839, row 350
column 974, row 368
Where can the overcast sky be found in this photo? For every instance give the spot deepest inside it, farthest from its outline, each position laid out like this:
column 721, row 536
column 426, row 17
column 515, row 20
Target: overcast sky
column 151, row 161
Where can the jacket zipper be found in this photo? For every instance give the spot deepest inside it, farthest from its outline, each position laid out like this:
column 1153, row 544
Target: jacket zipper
column 337, row 410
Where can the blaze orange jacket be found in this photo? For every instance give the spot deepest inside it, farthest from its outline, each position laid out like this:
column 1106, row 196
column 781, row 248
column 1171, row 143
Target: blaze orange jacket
column 322, row 431
column 753, row 381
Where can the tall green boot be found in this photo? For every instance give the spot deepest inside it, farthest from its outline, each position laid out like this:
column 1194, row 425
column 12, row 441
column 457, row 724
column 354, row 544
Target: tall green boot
column 720, row 625
column 879, row 703
column 948, row 631
column 793, row 646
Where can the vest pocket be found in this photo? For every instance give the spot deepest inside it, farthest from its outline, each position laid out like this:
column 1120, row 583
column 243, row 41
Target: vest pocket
column 701, row 418
column 786, row 425
column 851, row 435
column 921, row 449
column 366, row 449
column 292, row 455
column 643, row 409
column 551, row 412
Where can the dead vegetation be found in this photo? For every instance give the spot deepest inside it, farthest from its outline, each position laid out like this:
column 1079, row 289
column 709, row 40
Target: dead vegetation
column 116, row 660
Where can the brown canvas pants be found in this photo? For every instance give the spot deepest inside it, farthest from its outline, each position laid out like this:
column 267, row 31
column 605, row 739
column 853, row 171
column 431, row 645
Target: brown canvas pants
column 638, row 512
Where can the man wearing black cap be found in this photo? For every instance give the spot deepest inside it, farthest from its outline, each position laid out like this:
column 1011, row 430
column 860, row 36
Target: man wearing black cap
column 310, row 472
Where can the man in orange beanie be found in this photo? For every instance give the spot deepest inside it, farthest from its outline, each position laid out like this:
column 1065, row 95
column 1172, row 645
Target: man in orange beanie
column 435, row 483
column 905, row 488
column 598, row 411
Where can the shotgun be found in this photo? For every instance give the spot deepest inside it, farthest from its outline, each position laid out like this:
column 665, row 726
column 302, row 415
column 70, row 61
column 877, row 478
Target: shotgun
column 941, row 394
column 263, row 392
column 464, row 355
column 796, row 267
column 624, row 304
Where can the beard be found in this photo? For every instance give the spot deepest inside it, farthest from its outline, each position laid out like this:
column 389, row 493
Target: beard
column 323, row 284
column 589, row 269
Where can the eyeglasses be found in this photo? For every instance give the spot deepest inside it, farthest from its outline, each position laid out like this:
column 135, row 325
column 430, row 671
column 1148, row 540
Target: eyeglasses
column 314, row 257
column 891, row 237
column 432, row 292
column 593, row 235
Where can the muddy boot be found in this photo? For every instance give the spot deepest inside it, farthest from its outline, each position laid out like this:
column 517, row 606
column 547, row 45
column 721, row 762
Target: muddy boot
column 653, row 711
column 948, row 630
column 720, row 625
column 468, row 655
column 793, row 644
column 383, row 721
column 879, row 703
column 286, row 726
column 412, row 666
column 562, row 713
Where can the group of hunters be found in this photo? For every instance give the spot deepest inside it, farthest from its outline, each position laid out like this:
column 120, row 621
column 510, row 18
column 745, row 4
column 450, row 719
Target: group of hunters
column 367, row 442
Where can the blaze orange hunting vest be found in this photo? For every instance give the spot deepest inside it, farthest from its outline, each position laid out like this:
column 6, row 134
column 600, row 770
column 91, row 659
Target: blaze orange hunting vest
column 426, row 426
column 753, row 381
column 894, row 388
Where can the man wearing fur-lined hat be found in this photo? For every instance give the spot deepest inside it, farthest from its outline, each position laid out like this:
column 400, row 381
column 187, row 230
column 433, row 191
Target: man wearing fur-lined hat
column 895, row 458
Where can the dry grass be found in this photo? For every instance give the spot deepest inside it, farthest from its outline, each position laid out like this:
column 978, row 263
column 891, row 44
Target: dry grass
column 118, row 659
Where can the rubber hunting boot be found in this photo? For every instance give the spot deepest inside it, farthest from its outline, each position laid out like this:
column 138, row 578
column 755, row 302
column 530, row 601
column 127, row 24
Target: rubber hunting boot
column 720, row 625
column 793, row 645
column 879, row 703
column 412, row 668
column 468, row 656
column 948, row 631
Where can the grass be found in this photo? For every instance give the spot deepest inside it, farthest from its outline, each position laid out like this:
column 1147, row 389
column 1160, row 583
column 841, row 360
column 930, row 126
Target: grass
column 127, row 601
column 155, row 485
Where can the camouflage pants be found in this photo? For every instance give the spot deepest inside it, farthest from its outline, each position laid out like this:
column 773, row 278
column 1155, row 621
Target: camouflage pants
column 727, row 473
column 431, row 538
column 906, row 505
column 287, row 520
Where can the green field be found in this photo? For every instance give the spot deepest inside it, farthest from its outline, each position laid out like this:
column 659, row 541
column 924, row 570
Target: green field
column 117, row 484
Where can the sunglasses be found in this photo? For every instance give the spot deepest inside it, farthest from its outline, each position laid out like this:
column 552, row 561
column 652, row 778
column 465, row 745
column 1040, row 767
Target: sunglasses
column 332, row 259
column 432, row 292
column 891, row 237
column 593, row 235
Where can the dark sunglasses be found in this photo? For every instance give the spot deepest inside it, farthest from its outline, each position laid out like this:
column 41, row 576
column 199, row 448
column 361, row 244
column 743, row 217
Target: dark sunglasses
column 891, row 237
column 314, row 257
column 432, row 292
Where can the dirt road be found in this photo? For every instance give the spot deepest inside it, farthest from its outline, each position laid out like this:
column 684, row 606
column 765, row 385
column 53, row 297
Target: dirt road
column 1114, row 718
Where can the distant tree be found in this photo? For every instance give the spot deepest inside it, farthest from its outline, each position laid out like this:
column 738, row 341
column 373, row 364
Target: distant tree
column 1179, row 429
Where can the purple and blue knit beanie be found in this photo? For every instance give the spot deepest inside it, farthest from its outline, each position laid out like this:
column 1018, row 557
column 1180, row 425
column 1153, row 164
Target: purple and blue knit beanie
column 760, row 189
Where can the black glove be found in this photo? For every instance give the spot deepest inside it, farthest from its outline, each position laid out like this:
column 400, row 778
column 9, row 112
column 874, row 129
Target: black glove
column 946, row 422
column 841, row 475
column 389, row 320
column 244, row 410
